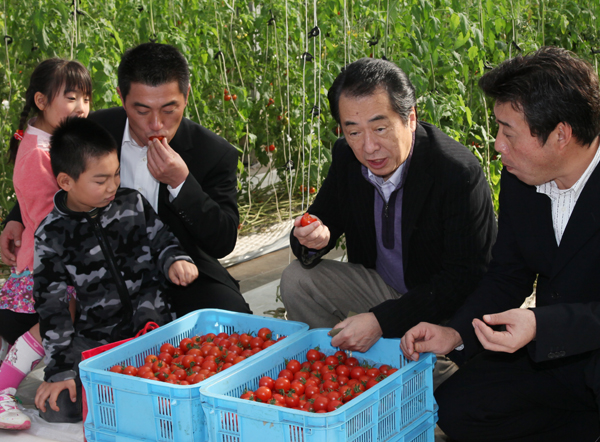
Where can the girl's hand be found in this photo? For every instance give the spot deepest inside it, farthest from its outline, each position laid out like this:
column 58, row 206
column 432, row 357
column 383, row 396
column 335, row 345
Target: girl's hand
column 50, row 391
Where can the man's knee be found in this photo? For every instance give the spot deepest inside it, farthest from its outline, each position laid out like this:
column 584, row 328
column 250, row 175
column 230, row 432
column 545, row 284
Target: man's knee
column 291, row 279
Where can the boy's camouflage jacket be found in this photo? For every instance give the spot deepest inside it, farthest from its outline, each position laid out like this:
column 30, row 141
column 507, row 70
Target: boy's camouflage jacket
column 116, row 257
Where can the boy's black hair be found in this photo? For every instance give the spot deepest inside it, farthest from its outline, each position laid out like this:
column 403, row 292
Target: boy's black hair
column 364, row 77
column 74, row 142
column 153, row 64
column 549, row 86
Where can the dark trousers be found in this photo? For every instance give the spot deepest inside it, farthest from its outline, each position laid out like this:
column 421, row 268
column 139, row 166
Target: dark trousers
column 206, row 292
column 13, row 324
column 508, row 397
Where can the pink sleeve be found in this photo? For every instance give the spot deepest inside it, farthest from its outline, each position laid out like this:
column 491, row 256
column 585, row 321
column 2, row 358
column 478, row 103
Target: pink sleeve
column 35, row 186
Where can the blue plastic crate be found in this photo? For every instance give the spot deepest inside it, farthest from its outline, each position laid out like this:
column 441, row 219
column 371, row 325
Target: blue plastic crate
column 124, row 408
column 382, row 413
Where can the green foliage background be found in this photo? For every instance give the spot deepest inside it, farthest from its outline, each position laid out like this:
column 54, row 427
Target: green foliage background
column 258, row 51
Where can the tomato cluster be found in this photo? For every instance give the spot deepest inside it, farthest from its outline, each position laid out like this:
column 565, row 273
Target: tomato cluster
column 320, row 384
column 199, row 357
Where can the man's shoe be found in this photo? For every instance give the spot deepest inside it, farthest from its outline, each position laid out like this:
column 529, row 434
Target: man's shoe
column 11, row 418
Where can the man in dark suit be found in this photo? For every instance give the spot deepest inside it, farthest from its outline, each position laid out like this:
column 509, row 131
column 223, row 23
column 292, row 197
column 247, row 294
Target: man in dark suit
column 186, row 172
column 538, row 376
column 415, row 209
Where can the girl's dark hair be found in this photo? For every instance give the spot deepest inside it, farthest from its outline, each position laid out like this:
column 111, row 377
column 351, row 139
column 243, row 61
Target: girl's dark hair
column 48, row 78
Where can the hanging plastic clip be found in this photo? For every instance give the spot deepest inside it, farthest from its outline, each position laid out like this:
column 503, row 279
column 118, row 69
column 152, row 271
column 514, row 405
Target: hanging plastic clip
column 8, row 39
column 316, row 111
column 308, row 57
column 373, row 41
column 220, row 53
column 314, row 32
column 272, row 19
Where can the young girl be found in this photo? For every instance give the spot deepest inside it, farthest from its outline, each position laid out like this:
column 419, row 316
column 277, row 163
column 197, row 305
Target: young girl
column 57, row 89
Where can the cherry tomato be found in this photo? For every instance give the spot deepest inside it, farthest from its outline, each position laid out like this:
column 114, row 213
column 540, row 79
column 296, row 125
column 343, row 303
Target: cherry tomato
column 283, row 384
column 320, row 403
column 352, row 362
column 185, row 344
column 130, row 370
column 167, row 357
column 312, row 354
column 151, row 359
column 285, row 373
column 373, row 372
column 293, row 365
column 167, row 348
column 357, row 372
column 227, row 97
column 266, row 381
column 342, row 356
column 155, row 137
column 256, row 342
column 334, row 405
column 332, row 360
column 292, row 400
column 234, row 96
column 265, row 334
column 306, row 220
column 298, row 387
column 117, row 369
column 263, row 394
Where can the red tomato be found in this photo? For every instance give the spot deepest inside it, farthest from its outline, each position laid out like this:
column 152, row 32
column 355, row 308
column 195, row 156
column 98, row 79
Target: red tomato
column 266, row 381
column 342, row 356
column 317, row 365
column 320, row 403
column 306, row 220
column 185, row 344
column 332, row 360
column 301, row 375
column 155, row 137
column 234, row 96
column 384, row 369
column 298, row 387
column 311, row 390
column 188, row 361
column 293, row 365
column 227, row 97
column 371, row 383
column 334, row 405
column 343, row 380
column 117, row 369
column 167, row 357
column 238, row 359
column 357, row 372
column 256, row 342
column 373, row 372
column 249, row 395
column 292, row 400
column 331, row 385
column 268, row 343
column 285, row 373
column 151, row 359
column 283, row 384
column 167, row 348
column 346, row 393
column 245, row 340
column 342, row 370
column 130, row 370
column 352, row 362
column 263, row 394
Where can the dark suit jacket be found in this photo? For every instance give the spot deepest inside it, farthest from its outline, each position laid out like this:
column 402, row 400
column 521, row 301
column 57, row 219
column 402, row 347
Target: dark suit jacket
column 568, row 276
column 448, row 226
column 204, row 216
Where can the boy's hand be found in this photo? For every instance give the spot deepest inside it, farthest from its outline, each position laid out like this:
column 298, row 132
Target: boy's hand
column 51, row 390
column 183, row 272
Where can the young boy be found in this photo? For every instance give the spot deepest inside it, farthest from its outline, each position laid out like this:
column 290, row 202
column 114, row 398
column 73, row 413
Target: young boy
column 111, row 246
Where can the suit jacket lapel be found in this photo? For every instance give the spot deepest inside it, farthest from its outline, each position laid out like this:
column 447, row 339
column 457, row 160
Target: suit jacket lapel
column 417, row 185
column 583, row 223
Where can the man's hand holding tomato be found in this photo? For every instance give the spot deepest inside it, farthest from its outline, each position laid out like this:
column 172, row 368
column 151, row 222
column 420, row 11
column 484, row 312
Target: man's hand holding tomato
column 314, row 235
column 359, row 333
column 165, row 164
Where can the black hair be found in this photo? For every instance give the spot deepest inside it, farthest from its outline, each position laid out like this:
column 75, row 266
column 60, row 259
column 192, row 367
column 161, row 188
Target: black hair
column 74, row 142
column 363, row 77
column 48, row 78
column 153, row 64
column 549, row 86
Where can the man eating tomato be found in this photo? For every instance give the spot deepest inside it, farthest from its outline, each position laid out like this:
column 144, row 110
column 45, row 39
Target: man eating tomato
column 415, row 209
